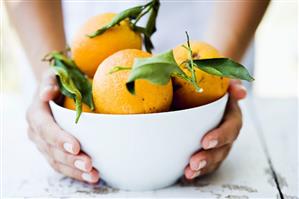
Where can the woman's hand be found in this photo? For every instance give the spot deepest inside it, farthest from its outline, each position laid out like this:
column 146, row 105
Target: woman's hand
column 217, row 143
column 60, row 148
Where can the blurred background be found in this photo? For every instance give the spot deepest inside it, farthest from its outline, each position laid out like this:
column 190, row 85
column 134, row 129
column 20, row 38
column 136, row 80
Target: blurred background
column 275, row 55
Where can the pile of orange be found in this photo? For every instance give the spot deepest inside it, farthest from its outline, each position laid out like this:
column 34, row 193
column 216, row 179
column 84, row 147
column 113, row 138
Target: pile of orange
column 120, row 46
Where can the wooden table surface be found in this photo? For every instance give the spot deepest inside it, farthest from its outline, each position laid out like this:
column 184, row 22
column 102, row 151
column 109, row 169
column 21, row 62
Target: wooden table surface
column 262, row 164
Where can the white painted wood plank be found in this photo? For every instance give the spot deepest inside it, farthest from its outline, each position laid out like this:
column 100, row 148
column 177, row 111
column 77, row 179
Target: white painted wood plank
column 278, row 119
column 26, row 173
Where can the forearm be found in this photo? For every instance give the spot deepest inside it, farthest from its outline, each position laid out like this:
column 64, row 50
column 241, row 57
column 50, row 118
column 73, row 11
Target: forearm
column 39, row 25
column 233, row 24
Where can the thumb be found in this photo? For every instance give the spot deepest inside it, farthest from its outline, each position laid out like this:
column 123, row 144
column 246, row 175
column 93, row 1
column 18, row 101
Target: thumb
column 48, row 89
column 237, row 90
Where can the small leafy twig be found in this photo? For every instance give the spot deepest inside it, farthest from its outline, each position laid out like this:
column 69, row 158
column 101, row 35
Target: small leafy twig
column 146, row 10
column 134, row 15
column 191, row 65
column 130, row 13
column 71, row 81
column 66, row 83
column 150, row 28
column 223, row 67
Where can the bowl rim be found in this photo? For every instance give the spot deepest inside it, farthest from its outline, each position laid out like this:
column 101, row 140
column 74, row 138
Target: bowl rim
column 223, row 98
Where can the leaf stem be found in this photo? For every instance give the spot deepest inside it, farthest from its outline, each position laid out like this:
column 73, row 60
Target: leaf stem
column 118, row 68
column 148, row 7
column 191, row 65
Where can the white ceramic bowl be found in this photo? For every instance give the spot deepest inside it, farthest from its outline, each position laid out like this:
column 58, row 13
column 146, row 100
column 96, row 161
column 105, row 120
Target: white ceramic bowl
column 141, row 151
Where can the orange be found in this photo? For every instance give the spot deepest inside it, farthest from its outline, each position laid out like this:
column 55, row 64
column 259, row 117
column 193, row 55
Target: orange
column 111, row 95
column 88, row 53
column 69, row 103
column 214, row 87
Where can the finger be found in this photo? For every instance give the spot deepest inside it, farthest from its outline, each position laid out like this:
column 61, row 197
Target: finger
column 210, row 169
column 57, row 160
column 237, row 90
column 40, row 144
column 202, row 172
column 91, row 177
column 48, row 89
column 228, row 130
column 44, row 125
column 80, row 161
column 190, row 174
column 205, row 158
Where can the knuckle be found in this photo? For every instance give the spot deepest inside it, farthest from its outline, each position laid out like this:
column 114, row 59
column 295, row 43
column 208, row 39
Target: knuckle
column 41, row 149
column 240, row 124
column 214, row 168
column 202, row 155
column 54, row 164
column 56, row 167
column 56, row 141
column 30, row 134
column 227, row 150
column 39, row 129
column 55, row 136
column 29, row 114
column 49, row 77
column 64, row 157
column 237, row 129
column 240, row 112
column 222, row 154
column 211, row 169
column 70, row 160
column 84, row 158
column 49, row 151
column 46, row 133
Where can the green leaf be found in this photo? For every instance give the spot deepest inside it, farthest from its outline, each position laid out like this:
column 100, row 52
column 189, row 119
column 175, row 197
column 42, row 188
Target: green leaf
column 134, row 15
column 224, row 67
column 68, row 87
column 131, row 13
column 64, row 59
column 157, row 69
column 72, row 82
column 151, row 28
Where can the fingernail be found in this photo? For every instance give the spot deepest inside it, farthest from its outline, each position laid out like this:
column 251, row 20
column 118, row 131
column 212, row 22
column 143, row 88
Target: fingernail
column 201, row 164
column 87, row 177
column 241, row 87
column 69, row 148
column 212, row 144
column 55, row 88
column 80, row 164
column 45, row 90
column 196, row 174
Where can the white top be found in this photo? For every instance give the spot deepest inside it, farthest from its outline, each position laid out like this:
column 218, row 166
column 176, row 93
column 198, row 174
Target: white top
column 173, row 20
